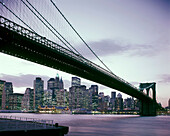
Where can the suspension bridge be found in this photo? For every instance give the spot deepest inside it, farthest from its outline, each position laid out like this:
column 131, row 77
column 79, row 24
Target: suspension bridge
column 24, row 42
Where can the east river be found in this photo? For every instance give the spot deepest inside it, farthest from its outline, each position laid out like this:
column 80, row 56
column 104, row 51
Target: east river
column 107, row 125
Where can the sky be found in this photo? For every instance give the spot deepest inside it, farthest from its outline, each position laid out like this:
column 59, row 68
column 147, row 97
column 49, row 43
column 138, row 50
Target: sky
column 132, row 37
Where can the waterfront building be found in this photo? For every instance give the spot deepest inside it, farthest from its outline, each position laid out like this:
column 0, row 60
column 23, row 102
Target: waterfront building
column 78, row 95
column 47, row 97
column 112, row 100
column 113, row 95
column 55, row 84
column 75, row 97
column 15, row 101
column 89, row 97
column 38, row 92
column 28, row 100
column 106, row 102
column 169, row 103
column 61, row 98
column 93, row 90
column 2, row 85
column 76, row 81
column 129, row 104
column 119, row 102
column 101, row 101
column 7, row 90
column 137, row 104
column 85, row 97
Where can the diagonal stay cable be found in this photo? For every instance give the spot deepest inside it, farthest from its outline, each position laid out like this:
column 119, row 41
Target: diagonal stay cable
column 17, row 16
column 79, row 35
column 51, row 26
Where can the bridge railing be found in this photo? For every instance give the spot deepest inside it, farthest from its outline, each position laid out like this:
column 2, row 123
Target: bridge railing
column 43, row 40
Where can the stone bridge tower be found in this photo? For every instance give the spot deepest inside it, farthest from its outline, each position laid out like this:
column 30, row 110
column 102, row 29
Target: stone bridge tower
column 148, row 108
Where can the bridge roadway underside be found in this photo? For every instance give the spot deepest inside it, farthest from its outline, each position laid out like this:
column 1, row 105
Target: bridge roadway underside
column 19, row 46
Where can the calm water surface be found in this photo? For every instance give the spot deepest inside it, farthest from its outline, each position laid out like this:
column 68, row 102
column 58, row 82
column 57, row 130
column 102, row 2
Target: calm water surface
column 107, row 125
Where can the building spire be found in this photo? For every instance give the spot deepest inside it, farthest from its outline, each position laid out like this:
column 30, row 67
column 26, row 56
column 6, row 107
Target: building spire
column 57, row 76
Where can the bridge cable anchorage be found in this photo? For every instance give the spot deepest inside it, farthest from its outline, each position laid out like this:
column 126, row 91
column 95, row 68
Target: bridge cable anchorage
column 80, row 36
column 17, row 16
column 45, row 25
column 50, row 26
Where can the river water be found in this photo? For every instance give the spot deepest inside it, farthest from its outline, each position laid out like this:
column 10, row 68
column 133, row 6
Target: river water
column 107, row 125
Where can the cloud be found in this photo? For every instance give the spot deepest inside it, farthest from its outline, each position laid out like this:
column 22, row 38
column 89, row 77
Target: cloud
column 165, row 78
column 112, row 47
column 22, row 80
column 102, row 48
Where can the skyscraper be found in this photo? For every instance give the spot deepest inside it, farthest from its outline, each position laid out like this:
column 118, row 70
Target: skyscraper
column 119, row 102
column 47, row 97
column 2, row 85
column 15, row 101
column 169, row 103
column 78, row 95
column 8, row 89
column 38, row 92
column 61, row 97
column 55, row 84
column 94, row 92
column 113, row 95
column 128, row 104
column 112, row 100
column 101, row 101
column 28, row 100
column 75, row 81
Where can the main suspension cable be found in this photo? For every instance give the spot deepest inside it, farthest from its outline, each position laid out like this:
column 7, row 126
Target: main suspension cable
column 79, row 35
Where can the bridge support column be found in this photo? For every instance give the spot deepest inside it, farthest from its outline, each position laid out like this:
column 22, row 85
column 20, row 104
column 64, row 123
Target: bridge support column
column 148, row 108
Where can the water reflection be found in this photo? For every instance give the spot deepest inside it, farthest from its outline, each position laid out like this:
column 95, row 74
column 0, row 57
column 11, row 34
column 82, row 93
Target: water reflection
column 107, row 125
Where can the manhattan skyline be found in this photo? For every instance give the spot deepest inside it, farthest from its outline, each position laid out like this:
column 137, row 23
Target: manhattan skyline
column 131, row 37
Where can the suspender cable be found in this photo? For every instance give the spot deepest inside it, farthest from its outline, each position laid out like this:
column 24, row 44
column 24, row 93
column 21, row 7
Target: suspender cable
column 17, row 17
column 79, row 35
column 51, row 26
column 45, row 25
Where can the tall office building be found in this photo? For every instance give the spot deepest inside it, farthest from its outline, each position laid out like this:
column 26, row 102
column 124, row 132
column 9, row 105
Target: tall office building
column 94, row 96
column 38, row 92
column 15, row 101
column 2, row 85
column 55, row 84
column 48, row 97
column 61, row 98
column 8, row 89
column 28, row 100
column 127, row 104
column 112, row 100
column 101, row 101
column 119, row 102
column 169, row 103
column 78, row 95
column 113, row 95
column 106, row 102
column 75, row 81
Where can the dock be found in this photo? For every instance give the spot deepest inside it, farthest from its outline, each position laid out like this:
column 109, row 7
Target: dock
column 19, row 126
